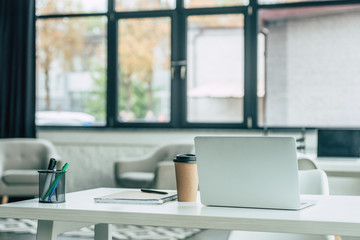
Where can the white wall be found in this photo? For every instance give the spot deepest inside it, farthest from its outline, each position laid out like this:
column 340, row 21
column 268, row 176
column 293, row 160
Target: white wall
column 92, row 153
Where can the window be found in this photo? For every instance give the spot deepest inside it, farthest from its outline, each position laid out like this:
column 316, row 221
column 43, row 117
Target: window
column 197, row 64
column 47, row 7
column 71, row 71
column 144, row 70
column 214, row 3
column 140, row 5
column 284, row 1
column 215, row 76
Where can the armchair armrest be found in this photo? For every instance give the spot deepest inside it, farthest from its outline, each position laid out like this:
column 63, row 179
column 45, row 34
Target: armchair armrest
column 134, row 172
column 165, row 176
column 146, row 163
column 138, row 164
column 1, row 165
column 137, row 171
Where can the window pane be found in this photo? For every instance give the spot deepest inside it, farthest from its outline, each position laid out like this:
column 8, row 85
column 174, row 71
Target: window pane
column 312, row 66
column 286, row 1
column 144, row 74
column 71, row 71
column 214, row 3
column 44, row 7
column 215, row 76
column 136, row 5
column 261, row 77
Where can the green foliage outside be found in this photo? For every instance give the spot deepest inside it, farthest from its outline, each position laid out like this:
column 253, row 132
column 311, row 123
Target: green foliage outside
column 96, row 99
column 138, row 99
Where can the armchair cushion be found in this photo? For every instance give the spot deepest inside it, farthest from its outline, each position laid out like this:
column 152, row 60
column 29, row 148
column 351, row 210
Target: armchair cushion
column 20, row 177
column 137, row 179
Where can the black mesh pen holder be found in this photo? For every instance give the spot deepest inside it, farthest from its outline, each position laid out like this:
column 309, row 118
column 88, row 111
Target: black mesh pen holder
column 52, row 186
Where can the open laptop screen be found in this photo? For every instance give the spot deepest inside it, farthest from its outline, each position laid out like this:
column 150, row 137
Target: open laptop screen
column 338, row 143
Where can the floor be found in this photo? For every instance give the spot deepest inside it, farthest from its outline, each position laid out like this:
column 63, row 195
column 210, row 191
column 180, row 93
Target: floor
column 205, row 235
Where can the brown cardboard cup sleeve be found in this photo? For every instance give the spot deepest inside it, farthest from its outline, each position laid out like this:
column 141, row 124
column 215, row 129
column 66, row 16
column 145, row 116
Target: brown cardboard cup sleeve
column 186, row 177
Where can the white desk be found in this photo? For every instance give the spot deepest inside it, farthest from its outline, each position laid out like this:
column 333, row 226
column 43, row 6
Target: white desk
column 338, row 215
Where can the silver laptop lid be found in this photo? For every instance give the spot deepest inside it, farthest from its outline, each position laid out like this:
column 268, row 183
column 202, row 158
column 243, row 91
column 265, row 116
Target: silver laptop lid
column 260, row 172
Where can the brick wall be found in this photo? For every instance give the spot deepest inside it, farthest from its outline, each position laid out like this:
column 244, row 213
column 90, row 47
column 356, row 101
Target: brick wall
column 313, row 70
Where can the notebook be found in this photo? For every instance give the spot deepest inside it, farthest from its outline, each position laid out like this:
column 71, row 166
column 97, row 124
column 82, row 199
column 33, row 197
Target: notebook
column 255, row 172
column 136, row 197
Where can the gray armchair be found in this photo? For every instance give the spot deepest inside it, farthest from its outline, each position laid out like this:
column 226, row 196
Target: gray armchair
column 154, row 170
column 20, row 158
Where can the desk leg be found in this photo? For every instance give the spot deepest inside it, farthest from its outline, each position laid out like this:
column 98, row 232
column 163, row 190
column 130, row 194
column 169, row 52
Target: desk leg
column 45, row 230
column 103, row 231
column 48, row 230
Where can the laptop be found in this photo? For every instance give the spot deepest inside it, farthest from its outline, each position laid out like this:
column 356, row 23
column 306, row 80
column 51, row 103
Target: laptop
column 253, row 172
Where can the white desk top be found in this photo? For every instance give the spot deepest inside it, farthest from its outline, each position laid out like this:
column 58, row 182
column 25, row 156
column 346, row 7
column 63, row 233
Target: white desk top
column 338, row 215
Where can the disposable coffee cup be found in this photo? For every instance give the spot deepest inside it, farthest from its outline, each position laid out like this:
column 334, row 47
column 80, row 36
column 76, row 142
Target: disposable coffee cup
column 186, row 177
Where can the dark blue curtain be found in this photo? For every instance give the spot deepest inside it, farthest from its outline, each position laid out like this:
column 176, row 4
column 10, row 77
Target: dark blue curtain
column 17, row 66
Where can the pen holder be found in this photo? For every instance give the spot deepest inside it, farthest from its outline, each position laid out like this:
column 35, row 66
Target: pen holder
column 51, row 186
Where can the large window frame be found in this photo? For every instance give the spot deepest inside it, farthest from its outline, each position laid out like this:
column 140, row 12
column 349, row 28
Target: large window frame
column 113, row 71
column 178, row 18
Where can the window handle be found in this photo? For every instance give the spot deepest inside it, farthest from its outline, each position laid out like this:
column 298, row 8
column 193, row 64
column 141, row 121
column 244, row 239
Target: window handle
column 183, row 72
column 182, row 65
column 172, row 72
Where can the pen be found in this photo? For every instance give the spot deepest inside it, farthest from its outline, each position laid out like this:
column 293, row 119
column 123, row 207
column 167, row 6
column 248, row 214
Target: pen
column 52, row 180
column 53, row 190
column 51, row 166
column 153, row 191
column 56, row 181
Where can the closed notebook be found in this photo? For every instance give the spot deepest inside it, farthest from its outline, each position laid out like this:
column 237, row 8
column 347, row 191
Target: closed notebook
column 137, row 197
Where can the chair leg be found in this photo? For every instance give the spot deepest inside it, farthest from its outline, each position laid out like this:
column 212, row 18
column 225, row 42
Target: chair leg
column 4, row 199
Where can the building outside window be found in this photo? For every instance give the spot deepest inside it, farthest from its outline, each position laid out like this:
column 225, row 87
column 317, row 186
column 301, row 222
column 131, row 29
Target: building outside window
column 312, row 74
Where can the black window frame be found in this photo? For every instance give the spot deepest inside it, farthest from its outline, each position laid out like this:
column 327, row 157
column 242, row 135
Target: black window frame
column 178, row 53
column 113, row 75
